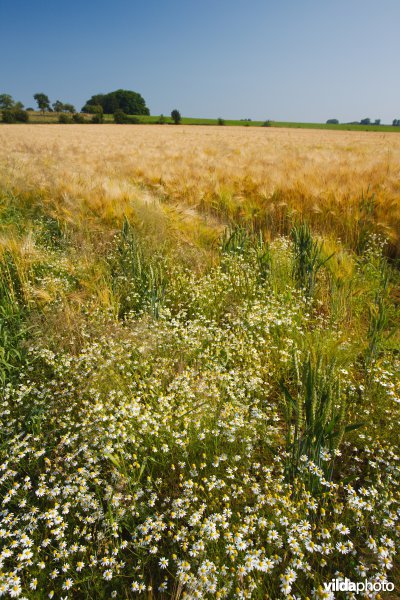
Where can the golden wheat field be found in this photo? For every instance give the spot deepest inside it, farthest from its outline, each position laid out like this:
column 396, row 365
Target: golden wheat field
column 264, row 176
column 199, row 363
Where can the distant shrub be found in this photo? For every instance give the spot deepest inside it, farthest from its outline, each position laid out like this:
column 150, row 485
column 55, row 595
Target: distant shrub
column 9, row 116
column 78, row 118
column 97, row 112
column 221, row 121
column 64, row 118
column 161, row 120
column 122, row 118
column 332, row 122
column 21, row 115
column 267, row 123
column 15, row 115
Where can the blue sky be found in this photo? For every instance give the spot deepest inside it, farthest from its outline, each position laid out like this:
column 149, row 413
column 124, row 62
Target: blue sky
column 294, row 60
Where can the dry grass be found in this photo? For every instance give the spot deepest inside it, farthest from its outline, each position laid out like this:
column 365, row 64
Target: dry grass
column 265, row 176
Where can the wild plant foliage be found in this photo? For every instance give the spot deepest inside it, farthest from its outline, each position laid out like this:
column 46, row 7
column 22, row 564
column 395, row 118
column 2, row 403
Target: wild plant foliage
column 308, row 257
column 11, row 319
column 316, row 418
column 138, row 282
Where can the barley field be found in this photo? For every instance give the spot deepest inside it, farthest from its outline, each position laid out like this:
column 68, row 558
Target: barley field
column 199, row 362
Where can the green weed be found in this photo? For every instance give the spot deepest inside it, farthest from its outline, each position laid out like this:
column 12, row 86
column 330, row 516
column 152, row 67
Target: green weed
column 308, row 258
column 316, row 419
column 138, row 281
column 11, row 319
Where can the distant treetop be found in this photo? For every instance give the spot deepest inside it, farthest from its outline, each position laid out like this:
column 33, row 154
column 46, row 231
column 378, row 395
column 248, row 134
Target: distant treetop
column 43, row 101
column 131, row 103
column 6, row 101
column 176, row 116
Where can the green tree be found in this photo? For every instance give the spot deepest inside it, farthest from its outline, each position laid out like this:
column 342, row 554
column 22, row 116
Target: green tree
column 92, row 109
column 6, row 101
column 43, row 101
column 58, row 106
column 96, row 100
column 131, row 103
column 70, row 108
column 176, row 116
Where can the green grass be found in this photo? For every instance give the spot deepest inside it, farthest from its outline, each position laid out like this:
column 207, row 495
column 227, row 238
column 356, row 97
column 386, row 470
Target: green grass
column 48, row 118
column 154, row 119
column 340, row 126
column 239, row 123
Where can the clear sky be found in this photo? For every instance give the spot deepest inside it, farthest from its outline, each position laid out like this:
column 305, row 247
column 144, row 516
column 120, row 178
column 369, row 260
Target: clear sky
column 291, row 60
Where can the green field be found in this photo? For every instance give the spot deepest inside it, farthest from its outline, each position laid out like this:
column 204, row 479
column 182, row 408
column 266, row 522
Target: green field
column 36, row 117
column 339, row 127
column 242, row 123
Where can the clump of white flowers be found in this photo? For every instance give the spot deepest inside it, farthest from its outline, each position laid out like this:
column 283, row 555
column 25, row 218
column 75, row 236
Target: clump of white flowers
column 155, row 459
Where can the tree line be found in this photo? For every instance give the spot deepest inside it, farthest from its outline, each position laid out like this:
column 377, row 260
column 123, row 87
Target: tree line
column 125, row 105
column 366, row 121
